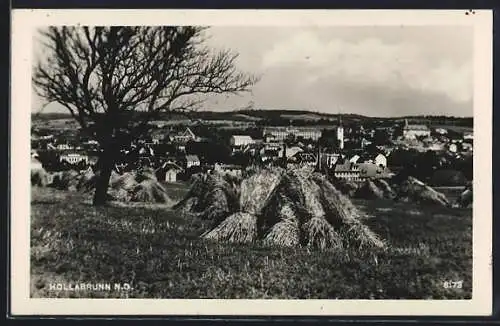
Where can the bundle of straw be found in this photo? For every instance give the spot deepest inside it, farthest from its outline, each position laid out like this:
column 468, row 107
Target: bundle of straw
column 294, row 208
column 239, row 227
column 416, row 190
column 257, row 189
column 150, row 191
column 348, row 188
column 86, row 181
column 285, row 232
column 126, row 181
column 369, row 190
column 145, row 173
column 63, row 180
column 346, row 218
column 386, row 188
column 321, row 234
column 465, row 199
column 39, row 177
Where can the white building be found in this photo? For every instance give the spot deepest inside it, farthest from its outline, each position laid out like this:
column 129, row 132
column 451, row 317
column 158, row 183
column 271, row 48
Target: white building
column 467, row 146
column 171, row 175
column 414, row 131
column 282, row 133
column 63, row 147
column 290, row 151
column 468, row 136
column 241, row 140
column 328, row 159
column 73, row 158
column 340, row 134
column 441, row 131
column 380, row 160
column 435, row 147
column 354, row 159
column 185, row 136
column 230, row 169
column 168, row 171
column 192, row 160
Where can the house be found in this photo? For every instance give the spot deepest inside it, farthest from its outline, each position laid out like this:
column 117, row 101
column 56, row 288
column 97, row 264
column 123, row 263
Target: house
column 74, row 158
column 441, row 131
column 365, row 142
column 47, row 137
column 468, row 136
column 157, row 138
column 358, row 172
column 185, row 136
column 380, row 160
column 453, row 147
column 354, row 159
column 171, row 175
column 93, row 159
column 290, row 151
column 269, row 153
column 63, row 147
column 415, row 130
column 435, row 147
column 192, row 160
column 304, row 159
column 254, row 148
column 169, row 171
column 328, row 160
column 231, row 169
column 282, row 133
column 348, row 171
column 270, row 139
column 240, row 140
column 467, row 147
column 271, row 147
column 146, row 151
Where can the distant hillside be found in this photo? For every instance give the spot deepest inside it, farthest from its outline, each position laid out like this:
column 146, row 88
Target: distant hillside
column 50, row 116
column 285, row 117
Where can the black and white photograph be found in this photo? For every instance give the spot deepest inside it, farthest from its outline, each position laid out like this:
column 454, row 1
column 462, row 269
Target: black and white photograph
column 338, row 156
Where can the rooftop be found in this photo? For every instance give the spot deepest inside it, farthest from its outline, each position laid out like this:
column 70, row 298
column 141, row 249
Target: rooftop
column 296, row 129
column 365, row 169
column 416, row 127
column 242, row 137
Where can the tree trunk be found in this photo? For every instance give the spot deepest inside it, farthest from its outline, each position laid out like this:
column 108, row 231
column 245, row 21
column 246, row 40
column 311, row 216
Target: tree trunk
column 105, row 169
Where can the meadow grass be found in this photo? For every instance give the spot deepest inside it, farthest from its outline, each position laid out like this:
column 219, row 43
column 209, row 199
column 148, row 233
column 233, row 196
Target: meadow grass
column 161, row 255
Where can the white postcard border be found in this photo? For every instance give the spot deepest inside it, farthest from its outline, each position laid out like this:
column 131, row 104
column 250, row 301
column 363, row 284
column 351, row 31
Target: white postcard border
column 25, row 21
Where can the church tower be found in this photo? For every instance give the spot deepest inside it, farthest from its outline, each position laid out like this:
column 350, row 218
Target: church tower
column 340, row 133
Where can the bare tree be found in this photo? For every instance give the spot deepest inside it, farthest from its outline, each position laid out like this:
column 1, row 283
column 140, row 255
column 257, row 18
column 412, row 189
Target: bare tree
column 115, row 80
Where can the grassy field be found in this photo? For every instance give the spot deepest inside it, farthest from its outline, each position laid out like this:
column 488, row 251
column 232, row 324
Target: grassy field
column 159, row 253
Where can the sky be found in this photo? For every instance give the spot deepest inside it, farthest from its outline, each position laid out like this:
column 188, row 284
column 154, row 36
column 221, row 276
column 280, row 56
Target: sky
column 368, row 70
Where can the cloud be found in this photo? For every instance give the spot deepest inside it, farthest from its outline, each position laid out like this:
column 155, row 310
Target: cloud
column 396, row 65
column 371, row 70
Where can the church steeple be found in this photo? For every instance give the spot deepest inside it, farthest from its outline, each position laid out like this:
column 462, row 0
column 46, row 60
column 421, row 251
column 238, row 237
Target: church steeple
column 340, row 132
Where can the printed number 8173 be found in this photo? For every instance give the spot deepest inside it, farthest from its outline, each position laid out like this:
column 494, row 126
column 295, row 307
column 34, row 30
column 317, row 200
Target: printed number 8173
column 453, row 284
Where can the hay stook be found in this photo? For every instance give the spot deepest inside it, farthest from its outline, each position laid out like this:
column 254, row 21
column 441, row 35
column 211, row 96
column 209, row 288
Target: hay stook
column 294, row 208
column 412, row 189
column 212, row 196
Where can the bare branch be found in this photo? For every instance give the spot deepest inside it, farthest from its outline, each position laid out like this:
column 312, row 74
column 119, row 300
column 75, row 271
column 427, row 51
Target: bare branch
column 104, row 76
